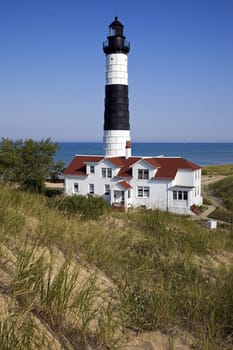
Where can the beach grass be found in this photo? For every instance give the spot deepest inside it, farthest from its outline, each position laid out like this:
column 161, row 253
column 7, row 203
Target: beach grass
column 213, row 170
column 91, row 281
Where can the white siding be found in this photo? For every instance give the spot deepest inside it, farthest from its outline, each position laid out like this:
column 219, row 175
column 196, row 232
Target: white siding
column 160, row 191
column 184, row 178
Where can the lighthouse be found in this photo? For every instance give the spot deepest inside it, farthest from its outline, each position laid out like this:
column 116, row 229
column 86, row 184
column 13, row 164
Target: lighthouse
column 166, row 183
column 116, row 138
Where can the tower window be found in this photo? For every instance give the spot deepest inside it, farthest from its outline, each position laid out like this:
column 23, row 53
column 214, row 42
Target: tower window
column 112, row 31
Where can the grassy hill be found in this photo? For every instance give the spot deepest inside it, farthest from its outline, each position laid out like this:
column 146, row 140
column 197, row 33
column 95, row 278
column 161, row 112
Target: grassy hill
column 213, row 170
column 136, row 280
column 222, row 190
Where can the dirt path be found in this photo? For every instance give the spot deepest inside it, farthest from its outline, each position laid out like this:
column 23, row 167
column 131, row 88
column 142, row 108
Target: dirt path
column 207, row 193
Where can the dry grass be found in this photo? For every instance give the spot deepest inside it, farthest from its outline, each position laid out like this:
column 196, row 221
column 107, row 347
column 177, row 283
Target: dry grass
column 137, row 279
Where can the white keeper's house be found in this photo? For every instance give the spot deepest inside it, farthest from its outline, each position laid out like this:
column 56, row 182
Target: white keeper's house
column 166, row 183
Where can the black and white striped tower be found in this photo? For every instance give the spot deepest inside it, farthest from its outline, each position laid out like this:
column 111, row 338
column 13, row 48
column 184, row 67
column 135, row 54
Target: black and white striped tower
column 116, row 114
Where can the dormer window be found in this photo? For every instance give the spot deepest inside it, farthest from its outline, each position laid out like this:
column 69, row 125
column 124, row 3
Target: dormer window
column 143, row 174
column 92, row 169
column 107, row 172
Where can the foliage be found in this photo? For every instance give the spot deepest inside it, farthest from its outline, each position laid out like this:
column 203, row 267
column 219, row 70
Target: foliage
column 55, row 170
column 165, row 272
column 222, row 215
column 27, row 163
column 224, row 190
column 213, row 170
column 207, row 201
column 90, row 207
column 17, row 332
column 60, row 296
column 53, row 192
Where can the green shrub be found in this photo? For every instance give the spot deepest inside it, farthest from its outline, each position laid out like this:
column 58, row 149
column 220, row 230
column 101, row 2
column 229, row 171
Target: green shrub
column 213, row 170
column 222, row 215
column 53, row 192
column 206, row 201
column 18, row 333
column 90, row 207
column 224, row 302
column 62, row 298
column 224, row 190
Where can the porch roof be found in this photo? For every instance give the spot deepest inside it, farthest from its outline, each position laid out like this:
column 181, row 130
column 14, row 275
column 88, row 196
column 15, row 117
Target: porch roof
column 177, row 187
column 125, row 185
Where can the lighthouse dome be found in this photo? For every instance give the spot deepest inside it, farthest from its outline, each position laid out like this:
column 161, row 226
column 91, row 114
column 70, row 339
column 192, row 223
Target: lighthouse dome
column 116, row 28
column 116, row 42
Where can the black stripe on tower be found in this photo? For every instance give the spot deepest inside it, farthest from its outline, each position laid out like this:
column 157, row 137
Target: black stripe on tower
column 116, row 114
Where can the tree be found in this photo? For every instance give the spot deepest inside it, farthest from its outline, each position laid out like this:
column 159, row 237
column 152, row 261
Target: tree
column 27, row 163
column 55, row 170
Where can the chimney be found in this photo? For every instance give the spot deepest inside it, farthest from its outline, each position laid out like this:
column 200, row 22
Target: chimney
column 128, row 149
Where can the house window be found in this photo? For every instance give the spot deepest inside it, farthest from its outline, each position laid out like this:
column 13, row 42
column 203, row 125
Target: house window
column 104, row 172
column 146, row 190
column 129, row 194
column 106, row 189
column 107, row 172
column 92, row 169
column 76, row 188
column 143, row 191
column 143, row 174
column 180, row 195
column 91, row 188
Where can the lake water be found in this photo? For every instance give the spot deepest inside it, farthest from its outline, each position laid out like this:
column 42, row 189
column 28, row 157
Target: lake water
column 199, row 153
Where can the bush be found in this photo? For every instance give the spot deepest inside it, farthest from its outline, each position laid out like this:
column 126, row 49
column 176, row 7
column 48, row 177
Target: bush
column 53, row 192
column 89, row 207
column 206, row 201
column 222, row 215
column 213, row 170
column 27, row 163
column 223, row 189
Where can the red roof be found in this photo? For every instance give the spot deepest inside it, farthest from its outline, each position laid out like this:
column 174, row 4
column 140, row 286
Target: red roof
column 167, row 167
column 124, row 164
column 78, row 165
column 125, row 184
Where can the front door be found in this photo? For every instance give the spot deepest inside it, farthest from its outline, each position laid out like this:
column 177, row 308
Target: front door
column 119, row 197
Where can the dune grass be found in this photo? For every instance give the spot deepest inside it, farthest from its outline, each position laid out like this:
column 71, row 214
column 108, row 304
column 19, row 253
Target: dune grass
column 213, row 170
column 158, row 265
column 224, row 190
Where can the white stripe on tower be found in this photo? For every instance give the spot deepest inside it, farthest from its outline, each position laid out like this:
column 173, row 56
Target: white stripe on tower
column 116, row 116
column 116, row 69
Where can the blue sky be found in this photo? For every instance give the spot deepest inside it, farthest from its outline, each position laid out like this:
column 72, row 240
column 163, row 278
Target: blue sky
column 52, row 69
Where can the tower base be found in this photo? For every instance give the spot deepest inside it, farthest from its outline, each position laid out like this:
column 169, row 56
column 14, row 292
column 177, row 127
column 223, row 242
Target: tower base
column 115, row 143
